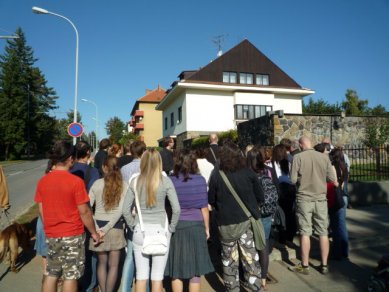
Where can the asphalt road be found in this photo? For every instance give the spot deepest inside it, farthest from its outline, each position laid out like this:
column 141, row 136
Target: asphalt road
column 21, row 179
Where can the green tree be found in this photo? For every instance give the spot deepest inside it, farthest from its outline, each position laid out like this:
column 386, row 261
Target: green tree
column 378, row 110
column 127, row 137
column 115, row 128
column 320, row 107
column 353, row 105
column 25, row 100
column 376, row 132
column 62, row 126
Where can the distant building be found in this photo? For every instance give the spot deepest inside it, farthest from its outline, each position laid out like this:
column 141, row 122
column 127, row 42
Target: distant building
column 145, row 120
column 239, row 85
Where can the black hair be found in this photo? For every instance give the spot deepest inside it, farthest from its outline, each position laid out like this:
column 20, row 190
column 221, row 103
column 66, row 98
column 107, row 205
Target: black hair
column 61, row 151
column 82, row 149
column 104, row 144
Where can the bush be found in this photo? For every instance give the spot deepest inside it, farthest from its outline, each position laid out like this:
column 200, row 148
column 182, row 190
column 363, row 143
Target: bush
column 201, row 142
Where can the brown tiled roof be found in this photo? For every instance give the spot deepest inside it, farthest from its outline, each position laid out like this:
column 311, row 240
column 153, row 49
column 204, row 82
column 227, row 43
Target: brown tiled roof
column 151, row 96
column 244, row 58
column 155, row 95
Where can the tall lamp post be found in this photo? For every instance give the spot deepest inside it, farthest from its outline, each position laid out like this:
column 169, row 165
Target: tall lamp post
column 96, row 119
column 44, row 11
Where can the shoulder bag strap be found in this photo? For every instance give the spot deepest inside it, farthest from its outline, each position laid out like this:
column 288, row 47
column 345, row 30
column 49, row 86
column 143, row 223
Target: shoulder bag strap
column 234, row 194
column 213, row 153
column 137, row 204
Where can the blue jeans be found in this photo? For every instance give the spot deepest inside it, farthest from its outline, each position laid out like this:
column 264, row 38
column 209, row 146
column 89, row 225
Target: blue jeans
column 89, row 280
column 339, row 232
column 266, row 222
column 128, row 269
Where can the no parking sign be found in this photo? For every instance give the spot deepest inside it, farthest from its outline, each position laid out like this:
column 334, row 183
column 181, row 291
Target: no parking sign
column 75, row 129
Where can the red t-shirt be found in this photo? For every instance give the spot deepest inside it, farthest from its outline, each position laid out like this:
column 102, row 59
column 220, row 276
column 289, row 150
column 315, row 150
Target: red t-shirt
column 60, row 192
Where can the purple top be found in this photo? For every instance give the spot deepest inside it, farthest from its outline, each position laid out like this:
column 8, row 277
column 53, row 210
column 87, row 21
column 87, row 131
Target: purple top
column 192, row 196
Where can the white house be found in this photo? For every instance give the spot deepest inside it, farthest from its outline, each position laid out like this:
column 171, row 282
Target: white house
column 239, row 85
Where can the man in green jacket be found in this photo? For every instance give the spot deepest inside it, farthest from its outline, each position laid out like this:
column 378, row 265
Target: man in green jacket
column 310, row 172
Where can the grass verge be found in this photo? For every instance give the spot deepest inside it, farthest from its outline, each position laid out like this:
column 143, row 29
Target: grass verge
column 29, row 215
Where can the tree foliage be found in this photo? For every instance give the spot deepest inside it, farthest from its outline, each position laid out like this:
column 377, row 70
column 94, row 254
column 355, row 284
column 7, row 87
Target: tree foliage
column 378, row 110
column 320, row 107
column 127, row 137
column 376, row 132
column 115, row 128
column 353, row 106
column 61, row 128
column 25, row 100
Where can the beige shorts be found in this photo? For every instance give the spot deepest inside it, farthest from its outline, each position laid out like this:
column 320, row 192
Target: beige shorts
column 312, row 215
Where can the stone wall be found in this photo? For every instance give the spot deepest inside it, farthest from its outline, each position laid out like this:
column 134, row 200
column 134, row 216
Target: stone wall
column 269, row 130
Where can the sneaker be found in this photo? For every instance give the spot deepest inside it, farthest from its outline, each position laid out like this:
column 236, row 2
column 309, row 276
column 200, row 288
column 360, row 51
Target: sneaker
column 323, row 270
column 300, row 269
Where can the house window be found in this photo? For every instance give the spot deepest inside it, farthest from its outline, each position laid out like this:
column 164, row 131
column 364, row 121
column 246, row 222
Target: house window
column 165, row 123
column 180, row 114
column 247, row 112
column 261, row 79
column 171, row 119
column 245, row 78
column 229, row 77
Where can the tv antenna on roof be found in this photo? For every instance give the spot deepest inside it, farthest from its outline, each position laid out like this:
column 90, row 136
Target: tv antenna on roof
column 218, row 41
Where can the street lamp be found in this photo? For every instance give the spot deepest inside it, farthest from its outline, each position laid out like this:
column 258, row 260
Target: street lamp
column 44, row 11
column 96, row 119
column 9, row 36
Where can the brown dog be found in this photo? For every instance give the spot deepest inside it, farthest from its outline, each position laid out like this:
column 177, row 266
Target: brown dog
column 11, row 238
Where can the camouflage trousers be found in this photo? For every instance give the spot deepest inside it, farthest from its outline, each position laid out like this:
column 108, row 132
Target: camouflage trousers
column 242, row 250
column 66, row 256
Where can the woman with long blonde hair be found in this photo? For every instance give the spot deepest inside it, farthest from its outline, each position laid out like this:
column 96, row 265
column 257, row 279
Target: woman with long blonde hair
column 108, row 194
column 151, row 188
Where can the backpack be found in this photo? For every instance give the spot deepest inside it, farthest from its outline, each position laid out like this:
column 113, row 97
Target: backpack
column 270, row 192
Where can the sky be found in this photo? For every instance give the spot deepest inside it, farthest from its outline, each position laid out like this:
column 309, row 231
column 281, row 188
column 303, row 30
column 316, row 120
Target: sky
column 126, row 46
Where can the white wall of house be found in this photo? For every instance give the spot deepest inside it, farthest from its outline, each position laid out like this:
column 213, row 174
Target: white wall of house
column 289, row 104
column 209, row 111
column 250, row 98
column 177, row 128
column 213, row 111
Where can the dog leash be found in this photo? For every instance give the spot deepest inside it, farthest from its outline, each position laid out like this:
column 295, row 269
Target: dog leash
column 6, row 213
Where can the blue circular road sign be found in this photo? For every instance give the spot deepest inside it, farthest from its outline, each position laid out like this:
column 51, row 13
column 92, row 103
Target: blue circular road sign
column 75, row 129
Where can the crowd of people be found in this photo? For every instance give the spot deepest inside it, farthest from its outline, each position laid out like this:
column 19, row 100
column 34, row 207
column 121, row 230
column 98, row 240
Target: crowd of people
column 167, row 209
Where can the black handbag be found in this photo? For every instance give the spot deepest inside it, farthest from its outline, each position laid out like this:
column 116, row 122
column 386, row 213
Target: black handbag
column 338, row 200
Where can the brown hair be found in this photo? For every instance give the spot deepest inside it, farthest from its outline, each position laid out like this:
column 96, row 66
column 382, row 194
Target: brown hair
column 115, row 149
column 113, row 183
column 231, row 157
column 185, row 163
column 166, row 141
column 137, row 149
column 256, row 159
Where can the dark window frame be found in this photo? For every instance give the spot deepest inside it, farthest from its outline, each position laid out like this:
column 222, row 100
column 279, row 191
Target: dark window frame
column 172, row 119
column 250, row 111
column 179, row 114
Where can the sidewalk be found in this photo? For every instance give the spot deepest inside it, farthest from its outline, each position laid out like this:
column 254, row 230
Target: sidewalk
column 369, row 240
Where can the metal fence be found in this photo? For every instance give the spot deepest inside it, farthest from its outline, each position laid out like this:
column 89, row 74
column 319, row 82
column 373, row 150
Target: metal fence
column 368, row 164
